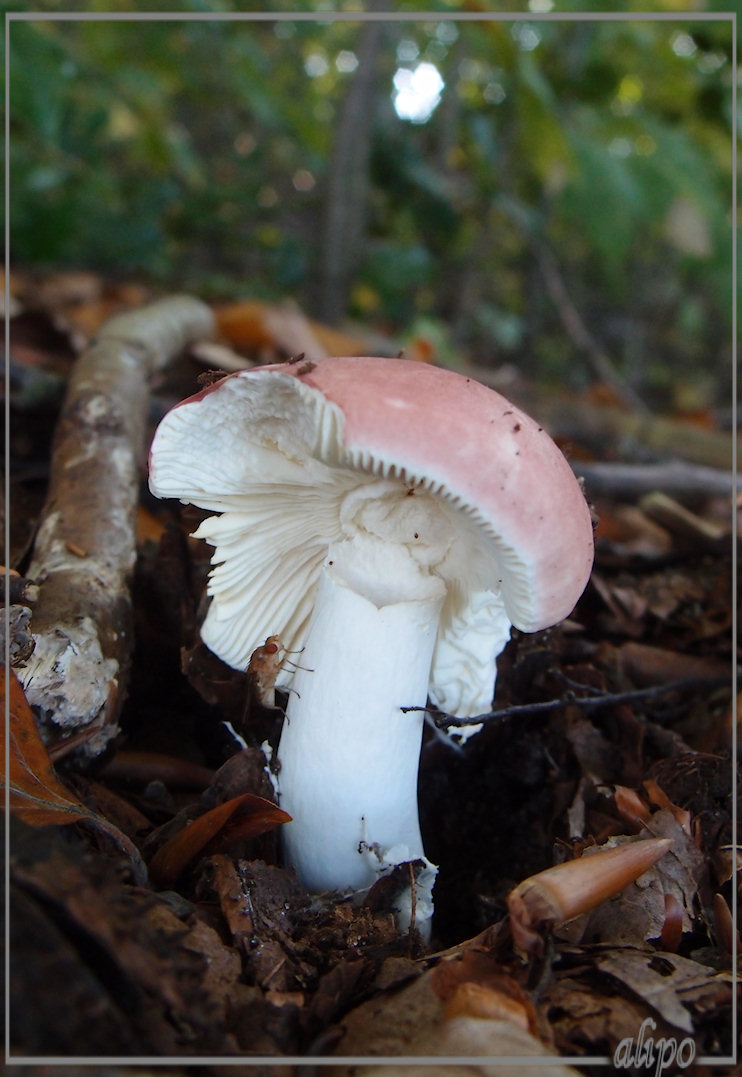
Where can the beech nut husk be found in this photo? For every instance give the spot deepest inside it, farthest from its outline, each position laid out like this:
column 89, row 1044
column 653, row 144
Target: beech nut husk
column 567, row 890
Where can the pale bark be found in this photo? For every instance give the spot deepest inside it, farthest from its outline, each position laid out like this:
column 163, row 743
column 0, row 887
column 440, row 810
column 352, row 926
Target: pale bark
column 85, row 548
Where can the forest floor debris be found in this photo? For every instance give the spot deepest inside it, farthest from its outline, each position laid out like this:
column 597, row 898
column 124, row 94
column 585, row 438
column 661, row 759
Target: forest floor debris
column 616, row 722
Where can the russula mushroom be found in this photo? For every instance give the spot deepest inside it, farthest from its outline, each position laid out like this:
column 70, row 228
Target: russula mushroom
column 389, row 521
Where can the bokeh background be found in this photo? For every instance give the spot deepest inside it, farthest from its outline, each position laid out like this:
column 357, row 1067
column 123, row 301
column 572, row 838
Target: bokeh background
column 552, row 195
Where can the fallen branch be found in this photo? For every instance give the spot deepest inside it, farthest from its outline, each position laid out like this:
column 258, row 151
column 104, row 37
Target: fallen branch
column 685, row 481
column 85, row 547
column 441, row 720
column 603, row 428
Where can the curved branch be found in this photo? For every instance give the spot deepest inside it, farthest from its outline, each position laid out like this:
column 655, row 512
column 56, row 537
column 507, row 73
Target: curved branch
column 85, row 547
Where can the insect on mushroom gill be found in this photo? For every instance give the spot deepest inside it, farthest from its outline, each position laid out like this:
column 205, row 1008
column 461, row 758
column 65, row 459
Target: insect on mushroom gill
column 263, row 669
column 266, row 662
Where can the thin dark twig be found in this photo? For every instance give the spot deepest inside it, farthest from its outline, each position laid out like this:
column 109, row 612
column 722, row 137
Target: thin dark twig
column 639, row 695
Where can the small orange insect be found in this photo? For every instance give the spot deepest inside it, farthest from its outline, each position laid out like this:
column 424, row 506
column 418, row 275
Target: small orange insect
column 263, row 669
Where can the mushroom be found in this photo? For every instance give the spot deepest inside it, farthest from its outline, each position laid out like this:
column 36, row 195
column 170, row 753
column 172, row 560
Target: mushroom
column 389, row 521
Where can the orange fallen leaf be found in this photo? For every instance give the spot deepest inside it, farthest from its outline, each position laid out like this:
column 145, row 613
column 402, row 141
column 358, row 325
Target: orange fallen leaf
column 672, row 929
column 254, row 327
column 243, row 324
column 631, row 807
column 661, row 799
column 337, row 342
column 35, row 793
column 238, row 819
column 37, row 796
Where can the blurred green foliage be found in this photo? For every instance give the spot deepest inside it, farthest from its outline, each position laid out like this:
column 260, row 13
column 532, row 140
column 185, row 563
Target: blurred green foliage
column 197, row 153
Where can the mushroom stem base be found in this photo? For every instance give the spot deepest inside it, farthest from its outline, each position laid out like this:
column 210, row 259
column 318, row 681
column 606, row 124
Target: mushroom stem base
column 348, row 755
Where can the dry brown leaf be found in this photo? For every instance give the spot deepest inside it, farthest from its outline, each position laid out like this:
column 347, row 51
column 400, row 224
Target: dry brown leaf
column 258, row 327
column 243, row 324
column 666, row 981
column 639, row 913
column 586, row 1013
column 626, row 530
column 337, row 342
column 627, row 624
column 36, row 794
column 647, row 665
column 724, row 929
column 411, row 1022
column 154, row 975
column 661, row 799
column 235, row 820
column 631, row 807
column 672, row 929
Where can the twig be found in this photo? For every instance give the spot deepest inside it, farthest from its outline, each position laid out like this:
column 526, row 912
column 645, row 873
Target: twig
column 444, row 721
column 683, row 480
column 85, row 548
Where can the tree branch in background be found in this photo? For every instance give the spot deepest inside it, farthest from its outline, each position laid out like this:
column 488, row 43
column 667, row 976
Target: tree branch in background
column 85, row 547
column 601, row 427
column 346, row 194
column 686, row 482
column 602, row 366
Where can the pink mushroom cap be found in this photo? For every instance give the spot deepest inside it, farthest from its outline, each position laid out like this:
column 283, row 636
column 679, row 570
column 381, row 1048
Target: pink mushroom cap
column 426, row 426
column 485, row 455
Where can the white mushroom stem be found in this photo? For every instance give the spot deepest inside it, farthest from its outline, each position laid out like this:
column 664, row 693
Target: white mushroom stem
column 348, row 754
